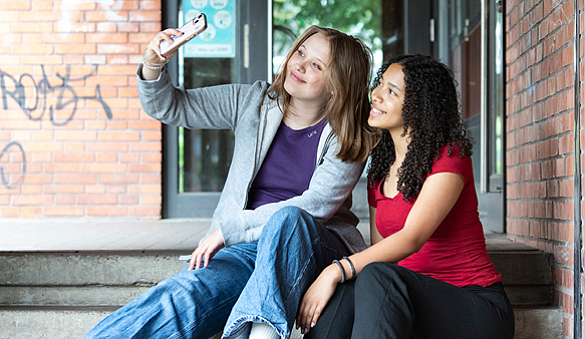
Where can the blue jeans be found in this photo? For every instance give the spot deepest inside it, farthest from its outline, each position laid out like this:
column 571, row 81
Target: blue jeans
column 249, row 282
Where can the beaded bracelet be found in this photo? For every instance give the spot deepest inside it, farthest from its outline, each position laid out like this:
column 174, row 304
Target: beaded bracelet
column 151, row 65
column 352, row 269
column 342, row 271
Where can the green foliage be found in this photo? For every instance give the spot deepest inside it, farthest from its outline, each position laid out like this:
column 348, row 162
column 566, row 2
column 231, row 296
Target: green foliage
column 361, row 18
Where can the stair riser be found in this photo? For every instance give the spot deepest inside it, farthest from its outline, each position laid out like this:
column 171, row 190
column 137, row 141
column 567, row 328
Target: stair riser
column 46, row 269
column 523, row 267
column 69, row 296
column 531, row 323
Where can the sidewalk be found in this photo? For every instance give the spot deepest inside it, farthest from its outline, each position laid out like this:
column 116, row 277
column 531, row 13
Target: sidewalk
column 114, row 235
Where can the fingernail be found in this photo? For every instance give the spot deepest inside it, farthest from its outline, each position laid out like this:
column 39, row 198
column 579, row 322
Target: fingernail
column 312, row 325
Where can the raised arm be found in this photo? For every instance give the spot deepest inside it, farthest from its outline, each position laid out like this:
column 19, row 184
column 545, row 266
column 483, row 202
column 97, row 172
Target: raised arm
column 436, row 199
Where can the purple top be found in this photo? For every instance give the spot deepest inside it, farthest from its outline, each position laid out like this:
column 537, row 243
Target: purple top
column 288, row 167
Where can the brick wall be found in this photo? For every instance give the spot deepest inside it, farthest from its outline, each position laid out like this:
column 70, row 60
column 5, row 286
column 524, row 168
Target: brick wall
column 540, row 120
column 73, row 139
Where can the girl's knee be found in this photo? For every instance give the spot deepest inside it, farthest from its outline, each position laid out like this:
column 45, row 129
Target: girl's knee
column 377, row 273
column 287, row 219
column 289, row 212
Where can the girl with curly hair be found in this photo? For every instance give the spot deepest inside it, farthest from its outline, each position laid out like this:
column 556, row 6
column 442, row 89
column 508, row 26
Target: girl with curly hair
column 427, row 273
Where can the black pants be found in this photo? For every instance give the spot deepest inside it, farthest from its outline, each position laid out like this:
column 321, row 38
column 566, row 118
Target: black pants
column 388, row 301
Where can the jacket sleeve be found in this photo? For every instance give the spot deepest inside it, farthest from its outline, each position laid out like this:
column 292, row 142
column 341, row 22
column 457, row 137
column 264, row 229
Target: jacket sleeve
column 331, row 184
column 214, row 107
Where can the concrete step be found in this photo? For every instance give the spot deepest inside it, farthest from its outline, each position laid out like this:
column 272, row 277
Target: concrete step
column 64, row 294
column 82, row 279
column 112, row 278
column 526, row 272
column 49, row 323
column 538, row 322
column 71, row 322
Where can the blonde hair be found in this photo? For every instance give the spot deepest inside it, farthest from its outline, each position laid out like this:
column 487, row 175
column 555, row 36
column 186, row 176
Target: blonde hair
column 348, row 78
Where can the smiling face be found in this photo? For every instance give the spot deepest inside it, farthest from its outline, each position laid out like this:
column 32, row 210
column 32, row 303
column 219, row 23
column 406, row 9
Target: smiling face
column 306, row 76
column 388, row 99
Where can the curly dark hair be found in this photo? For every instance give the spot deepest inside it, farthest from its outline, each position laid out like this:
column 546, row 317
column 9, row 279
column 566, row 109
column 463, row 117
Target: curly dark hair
column 431, row 116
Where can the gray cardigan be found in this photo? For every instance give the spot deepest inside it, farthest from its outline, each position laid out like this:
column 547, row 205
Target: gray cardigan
column 255, row 118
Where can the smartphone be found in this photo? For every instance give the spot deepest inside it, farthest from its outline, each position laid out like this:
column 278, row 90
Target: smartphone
column 190, row 30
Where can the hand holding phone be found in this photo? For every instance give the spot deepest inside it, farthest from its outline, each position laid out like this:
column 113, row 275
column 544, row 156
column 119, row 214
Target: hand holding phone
column 190, row 30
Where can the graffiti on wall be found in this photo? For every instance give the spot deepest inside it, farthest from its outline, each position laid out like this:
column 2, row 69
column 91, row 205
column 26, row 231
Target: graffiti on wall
column 36, row 106
column 9, row 181
column 37, row 98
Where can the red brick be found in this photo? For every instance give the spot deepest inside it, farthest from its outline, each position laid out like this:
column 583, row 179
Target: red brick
column 31, row 189
column 75, row 27
column 107, row 147
column 32, row 200
column 76, row 147
column 75, row 179
column 74, row 135
column 116, row 124
column 152, row 27
column 108, row 211
column 128, row 27
column 118, row 136
column 146, row 135
column 144, row 189
column 145, row 168
column 75, row 49
column 118, row 179
column 145, row 16
column 64, row 199
column 38, row 6
column 95, row 189
column 107, row 38
column 69, row 211
column 102, row 16
column 54, row 189
column 39, row 16
column 151, row 157
column 10, row 212
column 106, row 168
column 107, row 27
column 106, row 158
column 151, row 200
column 97, row 199
column 130, row 157
column 68, row 157
column 144, row 211
column 37, row 179
column 118, row 49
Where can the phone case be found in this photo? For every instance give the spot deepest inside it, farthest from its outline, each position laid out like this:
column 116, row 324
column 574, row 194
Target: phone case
column 190, row 30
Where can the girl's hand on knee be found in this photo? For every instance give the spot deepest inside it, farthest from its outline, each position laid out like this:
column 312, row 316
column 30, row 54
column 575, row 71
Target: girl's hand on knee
column 211, row 245
column 317, row 297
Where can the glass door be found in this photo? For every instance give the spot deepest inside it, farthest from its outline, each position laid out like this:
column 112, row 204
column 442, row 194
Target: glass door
column 470, row 40
column 196, row 162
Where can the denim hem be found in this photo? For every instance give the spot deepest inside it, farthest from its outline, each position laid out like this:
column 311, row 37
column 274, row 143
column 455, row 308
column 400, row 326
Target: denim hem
column 188, row 328
column 237, row 325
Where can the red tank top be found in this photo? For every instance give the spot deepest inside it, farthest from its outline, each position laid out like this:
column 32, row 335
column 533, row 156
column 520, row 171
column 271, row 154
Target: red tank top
column 456, row 252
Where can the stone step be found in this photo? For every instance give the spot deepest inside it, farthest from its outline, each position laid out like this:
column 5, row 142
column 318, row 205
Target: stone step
column 539, row 322
column 526, row 272
column 84, row 278
column 112, row 278
column 71, row 322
